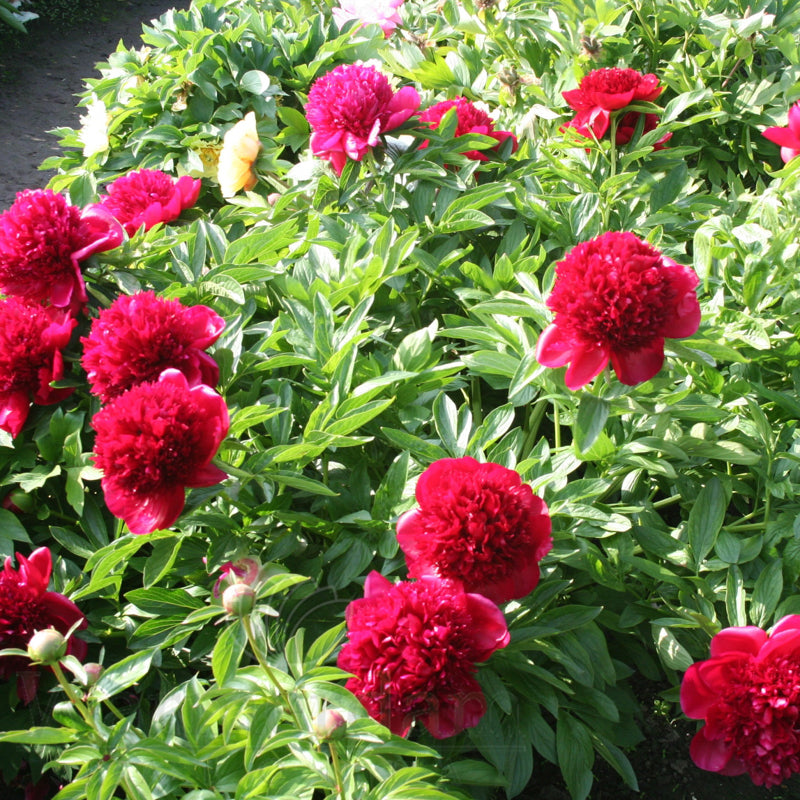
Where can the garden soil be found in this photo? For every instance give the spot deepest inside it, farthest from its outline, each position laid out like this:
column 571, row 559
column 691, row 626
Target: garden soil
column 40, row 76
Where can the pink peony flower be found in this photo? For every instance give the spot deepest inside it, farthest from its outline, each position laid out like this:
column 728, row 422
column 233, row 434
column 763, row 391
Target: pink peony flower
column 470, row 120
column 605, row 90
column 748, row 693
column 148, row 197
column 350, row 107
column 138, row 337
column 26, row 607
column 789, row 137
column 479, row 524
column 412, row 648
column 32, row 337
column 243, row 570
column 369, row 12
column 152, row 442
column 43, row 239
column 616, row 298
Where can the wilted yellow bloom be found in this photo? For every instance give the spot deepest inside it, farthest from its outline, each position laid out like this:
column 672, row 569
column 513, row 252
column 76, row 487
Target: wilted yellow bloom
column 239, row 151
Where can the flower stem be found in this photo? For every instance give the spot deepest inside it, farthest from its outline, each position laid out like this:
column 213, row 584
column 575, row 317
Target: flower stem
column 71, row 692
column 337, row 771
column 262, row 662
column 557, row 426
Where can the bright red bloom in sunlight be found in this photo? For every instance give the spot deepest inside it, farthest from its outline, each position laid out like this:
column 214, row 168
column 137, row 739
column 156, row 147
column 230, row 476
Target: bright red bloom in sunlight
column 789, row 137
column 412, row 648
column 479, row 524
column 43, row 239
column 470, row 120
column 605, row 90
column 149, row 196
column 350, row 107
column 369, row 12
column 152, row 442
column 748, row 693
column 139, row 336
column 617, row 298
column 26, row 607
column 32, row 337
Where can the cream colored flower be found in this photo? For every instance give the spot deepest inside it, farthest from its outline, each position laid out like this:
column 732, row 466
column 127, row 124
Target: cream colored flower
column 94, row 128
column 239, row 151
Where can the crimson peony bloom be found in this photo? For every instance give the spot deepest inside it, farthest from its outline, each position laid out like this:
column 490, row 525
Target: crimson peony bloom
column 616, row 298
column 43, row 239
column 154, row 440
column 789, row 137
column 369, row 12
column 412, row 648
column 26, row 607
column 479, row 524
column 748, row 693
column 148, row 197
column 350, row 107
column 470, row 120
column 138, row 337
column 605, row 90
column 32, row 337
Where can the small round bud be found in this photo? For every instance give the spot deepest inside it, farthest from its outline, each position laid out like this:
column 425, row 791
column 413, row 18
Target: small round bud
column 329, row 725
column 238, row 600
column 47, row 646
column 93, row 672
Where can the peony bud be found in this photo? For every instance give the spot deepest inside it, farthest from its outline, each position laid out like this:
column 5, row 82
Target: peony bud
column 329, row 725
column 238, row 600
column 93, row 672
column 47, row 646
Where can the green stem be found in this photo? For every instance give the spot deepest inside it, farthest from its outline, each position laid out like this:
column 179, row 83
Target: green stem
column 262, row 662
column 535, row 416
column 557, row 426
column 72, row 693
column 613, row 142
column 337, row 771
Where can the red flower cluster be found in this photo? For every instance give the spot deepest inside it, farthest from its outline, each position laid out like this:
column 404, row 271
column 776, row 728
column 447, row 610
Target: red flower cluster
column 748, row 693
column 412, row 648
column 148, row 197
column 479, row 524
column 616, row 298
column 152, row 442
column 138, row 337
column 350, row 107
column 470, row 120
column 43, row 239
column 31, row 339
column 26, row 607
column 605, row 90
column 789, row 137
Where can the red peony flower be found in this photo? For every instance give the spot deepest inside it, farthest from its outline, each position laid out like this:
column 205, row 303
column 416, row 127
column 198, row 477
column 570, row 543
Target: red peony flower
column 605, row 90
column 616, row 297
column 470, row 120
column 350, row 107
column 479, row 524
column 748, row 693
column 26, row 607
column 148, row 197
column 138, row 337
column 789, row 137
column 154, row 440
column 32, row 337
column 412, row 648
column 42, row 242
column 369, row 12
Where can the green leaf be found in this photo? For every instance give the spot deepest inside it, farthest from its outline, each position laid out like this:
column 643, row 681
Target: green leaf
column 590, row 421
column 705, row 519
column 575, row 755
column 228, row 652
column 123, row 674
column 766, row 594
column 38, row 735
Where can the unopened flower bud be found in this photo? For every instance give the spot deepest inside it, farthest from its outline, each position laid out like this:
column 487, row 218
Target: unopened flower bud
column 93, row 672
column 238, row 600
column 329, row 725
column 47, row 646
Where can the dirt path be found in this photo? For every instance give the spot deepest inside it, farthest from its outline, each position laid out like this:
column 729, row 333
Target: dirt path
column 40, row 80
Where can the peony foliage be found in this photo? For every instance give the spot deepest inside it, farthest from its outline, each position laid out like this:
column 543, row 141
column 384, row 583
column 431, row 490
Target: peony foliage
column 448, row 357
